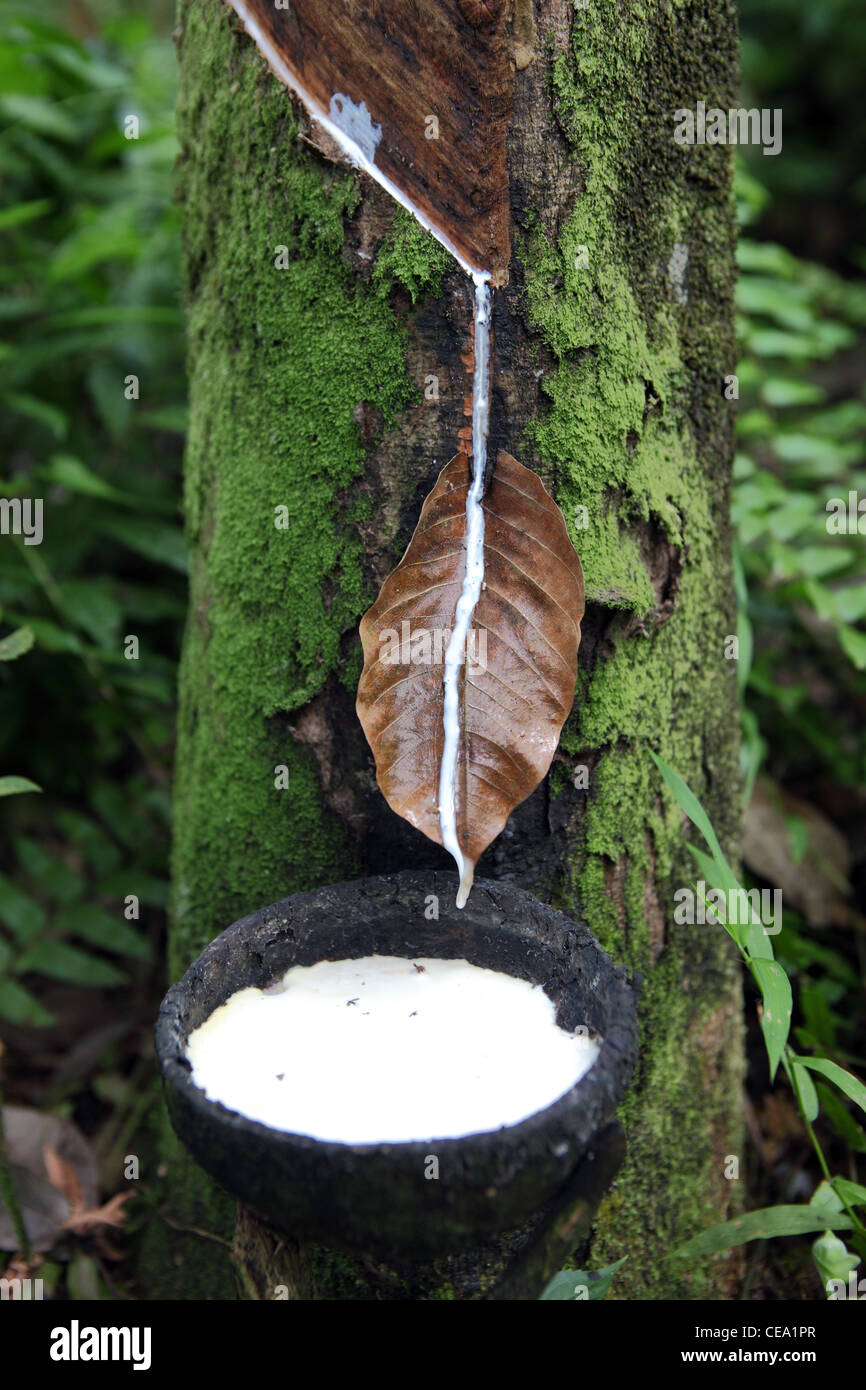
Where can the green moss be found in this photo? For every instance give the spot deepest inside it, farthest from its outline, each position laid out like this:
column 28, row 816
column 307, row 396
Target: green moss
column 183, row 1252
column 337, row 1276
column 279, row 362
column 410, row 256
column 619, row 437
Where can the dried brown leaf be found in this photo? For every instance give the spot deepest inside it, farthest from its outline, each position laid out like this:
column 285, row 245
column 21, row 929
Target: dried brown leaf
column 110, row 1214
column 19, row 1268
column 42, row 1148
column 517, row 685
column 63, row 1176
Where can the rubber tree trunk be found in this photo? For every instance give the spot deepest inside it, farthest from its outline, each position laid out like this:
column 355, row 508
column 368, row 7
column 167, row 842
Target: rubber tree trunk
column 326, row 380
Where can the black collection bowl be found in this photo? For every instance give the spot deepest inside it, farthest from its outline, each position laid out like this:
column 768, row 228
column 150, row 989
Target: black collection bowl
column 375, row 1198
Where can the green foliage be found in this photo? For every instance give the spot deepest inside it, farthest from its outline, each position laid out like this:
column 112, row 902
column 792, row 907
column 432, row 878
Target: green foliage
column 825, row 1211
column 761, row 1225
column 575, row 1285
column 89, row 316
column 14, row 786
column 802, row 620
column 808, row 61
column 409, row 256
column 801, row 435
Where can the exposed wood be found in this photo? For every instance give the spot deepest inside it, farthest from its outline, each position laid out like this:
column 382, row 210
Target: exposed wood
column 435, row 77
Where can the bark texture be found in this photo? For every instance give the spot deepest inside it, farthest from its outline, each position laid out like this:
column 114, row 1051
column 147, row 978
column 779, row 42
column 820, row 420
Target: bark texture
column 334, row 387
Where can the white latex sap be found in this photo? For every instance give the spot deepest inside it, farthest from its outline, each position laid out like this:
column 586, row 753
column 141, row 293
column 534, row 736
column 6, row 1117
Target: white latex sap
column 351, row 126
column 388, row 1049
column 473, row 579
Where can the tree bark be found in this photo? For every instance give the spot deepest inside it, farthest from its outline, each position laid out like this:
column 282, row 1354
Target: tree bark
column 335, row 388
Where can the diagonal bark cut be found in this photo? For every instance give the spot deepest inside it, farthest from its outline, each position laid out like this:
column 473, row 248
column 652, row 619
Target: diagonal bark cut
column 517, row 681
column 383, row 72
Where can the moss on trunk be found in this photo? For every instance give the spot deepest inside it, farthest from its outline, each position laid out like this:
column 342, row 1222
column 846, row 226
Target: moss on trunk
column 613, row 340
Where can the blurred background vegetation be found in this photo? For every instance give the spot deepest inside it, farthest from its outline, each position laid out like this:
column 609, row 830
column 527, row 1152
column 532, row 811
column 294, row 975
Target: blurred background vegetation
column 89, row 300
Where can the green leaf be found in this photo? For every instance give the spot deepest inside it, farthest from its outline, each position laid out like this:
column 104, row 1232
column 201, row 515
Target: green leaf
column 124, row 315
column 83, row 1279
column 691, row 806
column 24, row 212
column 43, row 412
column 778, row 1005
column 769, row 258
column 14, row 786
column 16, row 644
column 71, row 473
column 748, row 934
column 114, row 807
column 806, row 1088
column 826, row 455
column 569, row 1284
column 14, row 306
column 765, row 296
column 775, row 342
column 54, row 638
column 153, row 891
column 821, row 1020
column 717, row 879
column 105, row 385
column 154, row 539
column 825, row 1199
column 845, row 420
column 54, row 877
column 832, row 1259
column 18, row 912
column 718, row 876
column 847, row 1082
column 18, row 1006
column 780, row 392
column 86, row 67
column 851, row 603
column 763, row 1224
column 854, row 1193
column 38, row 114
column 99, row 928
column 817, row 561
column 110, row 235
column 853, row 644
column 94, row 842
column 59, row 961
column 746, row 643
column 840, row 1119
column 173, row 419
column 91, row 604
